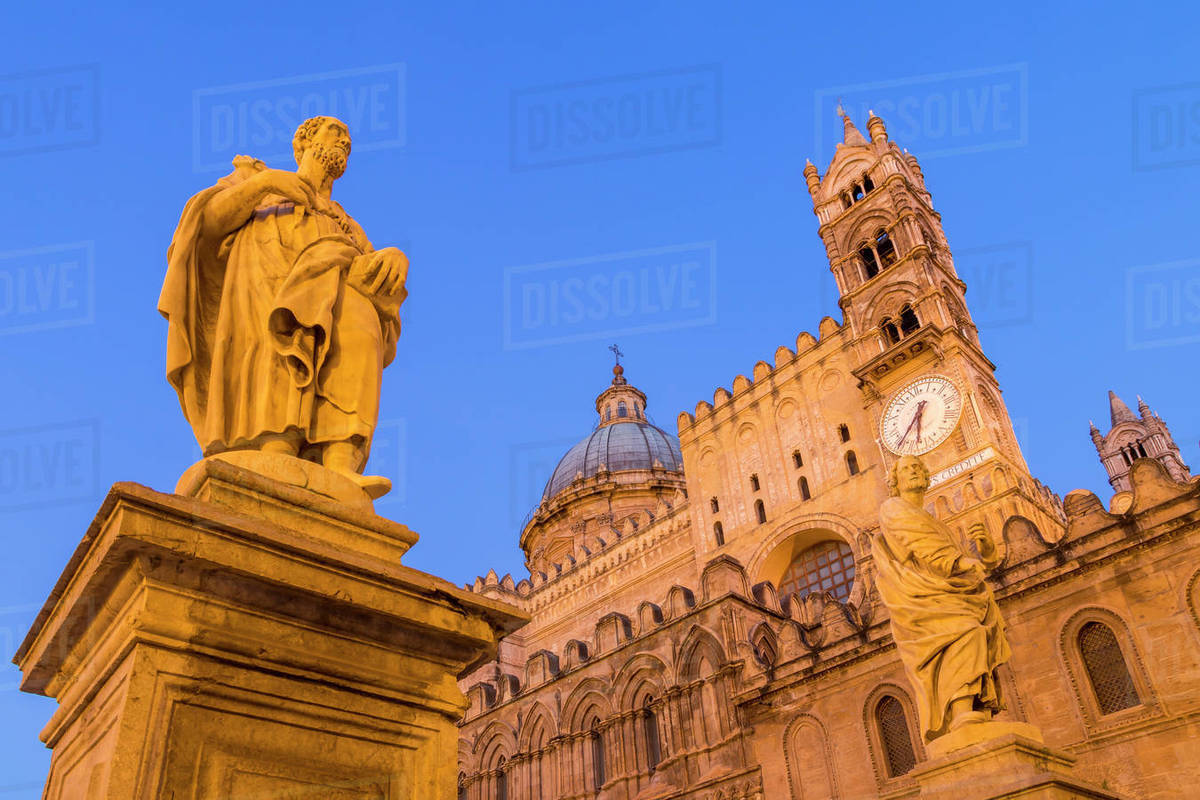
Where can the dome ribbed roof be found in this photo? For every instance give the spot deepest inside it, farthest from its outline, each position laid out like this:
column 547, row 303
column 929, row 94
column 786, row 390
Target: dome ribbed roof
column 618, row 446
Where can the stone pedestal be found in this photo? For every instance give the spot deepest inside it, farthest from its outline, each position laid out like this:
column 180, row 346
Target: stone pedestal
column 1010, row 765
column 253, row 637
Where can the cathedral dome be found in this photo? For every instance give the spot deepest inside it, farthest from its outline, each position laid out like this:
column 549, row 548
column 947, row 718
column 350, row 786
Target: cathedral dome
column 620, row 474
column 622, row 444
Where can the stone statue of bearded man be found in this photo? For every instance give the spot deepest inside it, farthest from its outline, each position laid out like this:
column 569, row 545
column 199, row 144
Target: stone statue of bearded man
column 281, row 314
column 944, row 618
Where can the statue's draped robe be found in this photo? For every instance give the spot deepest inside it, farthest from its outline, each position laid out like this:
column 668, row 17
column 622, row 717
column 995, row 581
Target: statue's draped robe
column 269, row 330
column 945, row 620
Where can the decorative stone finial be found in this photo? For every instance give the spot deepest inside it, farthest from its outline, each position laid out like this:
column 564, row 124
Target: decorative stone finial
column 811, row 177
column 876, row 128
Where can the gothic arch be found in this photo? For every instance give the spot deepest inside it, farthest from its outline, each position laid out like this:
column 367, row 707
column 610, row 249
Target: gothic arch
column 765, row 645
column 1191, row 598
column 466, row 758
column 889, row 302
column 809, row 758
column 699, row 645
column 496, row 741
column 875, row 744
column 1093, row 719
column 851, row 168
column 864, row 231
column 793, row 535
column 591, row 694
column 642, row 671
column 537, row 714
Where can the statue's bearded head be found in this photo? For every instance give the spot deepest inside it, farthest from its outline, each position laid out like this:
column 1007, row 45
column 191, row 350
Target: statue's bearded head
column 909, row 472
column 326, row 139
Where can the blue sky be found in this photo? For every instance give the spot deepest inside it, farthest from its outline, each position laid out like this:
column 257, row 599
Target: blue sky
column 655, row 144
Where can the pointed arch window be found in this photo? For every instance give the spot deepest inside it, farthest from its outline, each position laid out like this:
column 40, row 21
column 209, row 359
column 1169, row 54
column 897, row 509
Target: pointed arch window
column 805, row 494
column 501, row 780
column 858, row 192
column 894, row 736
column 908, row 321
column 719, row 534
column 1106, row 668
column 851, row 463
column 760, row 511
column 885, row 249
column 596, row 744
column 891, row 333
column 650, row 732
column 868, row 184
column 754, row 482
column 462, row 786
column 714, row 505
column 844, row 432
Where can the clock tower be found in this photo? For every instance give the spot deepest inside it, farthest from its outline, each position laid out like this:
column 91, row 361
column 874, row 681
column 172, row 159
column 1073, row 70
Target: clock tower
column 924, row 379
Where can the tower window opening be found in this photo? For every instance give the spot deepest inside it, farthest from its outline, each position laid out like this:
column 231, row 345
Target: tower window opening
column 908, row 321
column 714, row 505
column 870, row 261
column 851, row 463
column 797, row 459
column 846, row 203
column 719, row 534
column 858, row 192
column 760, row 511
column 754, row 482
column 885, row 249
column 607, row 413
column 1141, row 450
column 804, row 492
column 622, row 409
column 891, row 333
column 844, row 432
column 868, row 185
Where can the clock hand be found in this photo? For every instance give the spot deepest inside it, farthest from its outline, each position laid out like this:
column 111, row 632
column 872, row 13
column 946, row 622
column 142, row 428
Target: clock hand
column 920, row 415
column 914, row 421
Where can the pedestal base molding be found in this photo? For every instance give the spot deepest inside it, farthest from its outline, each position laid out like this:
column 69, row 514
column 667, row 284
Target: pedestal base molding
column 998, row 761
column 259, row 639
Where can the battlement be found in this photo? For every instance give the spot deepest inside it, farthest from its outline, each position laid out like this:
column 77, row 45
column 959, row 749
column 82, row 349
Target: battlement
column 807, row 353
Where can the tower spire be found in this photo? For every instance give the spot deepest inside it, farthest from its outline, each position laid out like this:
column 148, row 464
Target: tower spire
column 1118, row 410
column 1147, row 437
column 850, row 134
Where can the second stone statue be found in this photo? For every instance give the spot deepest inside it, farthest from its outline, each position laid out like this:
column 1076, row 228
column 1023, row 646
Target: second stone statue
column 282, row 315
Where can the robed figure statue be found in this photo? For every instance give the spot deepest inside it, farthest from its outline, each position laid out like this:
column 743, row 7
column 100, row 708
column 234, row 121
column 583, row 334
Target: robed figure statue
column 944, row 617
column 281, row 314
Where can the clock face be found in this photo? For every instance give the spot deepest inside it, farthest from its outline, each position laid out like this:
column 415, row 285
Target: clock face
column 921, row 415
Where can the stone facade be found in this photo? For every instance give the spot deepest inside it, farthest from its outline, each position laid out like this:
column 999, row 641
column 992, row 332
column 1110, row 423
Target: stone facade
column 714, row 631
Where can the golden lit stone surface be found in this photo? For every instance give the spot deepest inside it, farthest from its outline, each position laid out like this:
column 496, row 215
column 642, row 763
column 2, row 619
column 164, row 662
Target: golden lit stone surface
column 262, row 642
column 1005, row 768
column 281, row 313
